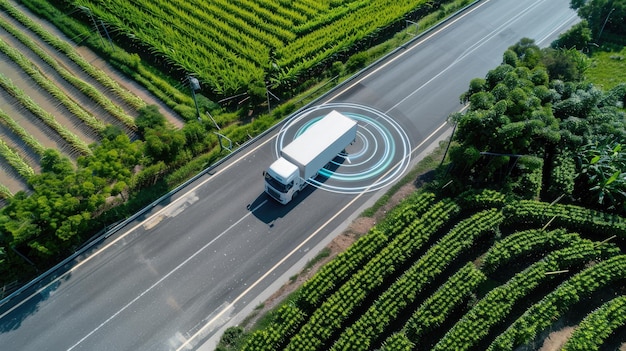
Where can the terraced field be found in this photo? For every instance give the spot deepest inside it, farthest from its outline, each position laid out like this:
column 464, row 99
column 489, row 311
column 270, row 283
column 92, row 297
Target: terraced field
column 476, row 273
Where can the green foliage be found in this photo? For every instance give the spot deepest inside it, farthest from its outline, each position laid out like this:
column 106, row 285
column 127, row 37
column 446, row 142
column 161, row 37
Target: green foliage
column 398, row 342
column 499, row 302
column 356, row 62
column 536, row 105
column 15, row 160
column 603, row 170
column 603, row 16
column 523, row 243
column 597, row 326
column 607, row 69
column 577, row 37
column 568, row 65
column 527, row 52
column 45, row 116
column 528, row 185
column 251, row 41
column 436, row 309
column 564, row 173
column 231, row 339
column 164, row 144
column 5, row 193
column 149, row 118
column 46, row 9
column 575, row 218
column 557, row 302
column 331, row 315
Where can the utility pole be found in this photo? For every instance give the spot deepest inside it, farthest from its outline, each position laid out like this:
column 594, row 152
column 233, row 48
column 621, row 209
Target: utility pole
column 95, row 24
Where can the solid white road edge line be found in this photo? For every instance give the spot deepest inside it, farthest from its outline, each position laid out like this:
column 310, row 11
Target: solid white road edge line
column 297, row 248
column 165, row 276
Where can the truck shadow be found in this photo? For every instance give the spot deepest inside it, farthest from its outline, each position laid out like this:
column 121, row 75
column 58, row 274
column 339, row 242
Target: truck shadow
column 269, row 210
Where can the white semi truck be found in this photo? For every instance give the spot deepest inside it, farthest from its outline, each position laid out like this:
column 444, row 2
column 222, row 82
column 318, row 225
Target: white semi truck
column 307, row 154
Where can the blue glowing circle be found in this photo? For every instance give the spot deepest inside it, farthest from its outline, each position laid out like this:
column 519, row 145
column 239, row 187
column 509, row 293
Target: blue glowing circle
column 378, row 157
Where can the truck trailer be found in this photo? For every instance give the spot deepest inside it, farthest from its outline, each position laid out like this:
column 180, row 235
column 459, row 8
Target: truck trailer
column 303, row 158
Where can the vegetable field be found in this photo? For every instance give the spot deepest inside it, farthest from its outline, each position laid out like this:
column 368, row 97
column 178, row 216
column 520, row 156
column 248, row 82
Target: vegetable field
column 233, row 47
column 50, row 97
column 480, row 272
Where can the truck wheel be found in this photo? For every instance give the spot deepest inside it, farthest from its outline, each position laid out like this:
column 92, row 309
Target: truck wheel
column 295, row 194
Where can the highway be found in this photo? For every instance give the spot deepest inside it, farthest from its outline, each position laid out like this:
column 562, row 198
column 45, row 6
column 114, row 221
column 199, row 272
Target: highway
column 203, row 259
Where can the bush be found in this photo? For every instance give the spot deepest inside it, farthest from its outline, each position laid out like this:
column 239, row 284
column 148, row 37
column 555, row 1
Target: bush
column 356, row 62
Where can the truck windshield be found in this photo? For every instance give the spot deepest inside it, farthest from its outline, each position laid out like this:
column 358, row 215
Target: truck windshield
column 283, row 188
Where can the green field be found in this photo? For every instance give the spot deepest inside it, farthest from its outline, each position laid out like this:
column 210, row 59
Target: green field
column 478, row 272
column 607, row 68
column 234, row 48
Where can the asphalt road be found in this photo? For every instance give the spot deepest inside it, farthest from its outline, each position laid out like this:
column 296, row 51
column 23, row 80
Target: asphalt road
column 202, row 260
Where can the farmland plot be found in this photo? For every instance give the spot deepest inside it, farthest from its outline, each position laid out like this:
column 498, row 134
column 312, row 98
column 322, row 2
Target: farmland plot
column 455, row 277
column 233, row 47
column 50, row 97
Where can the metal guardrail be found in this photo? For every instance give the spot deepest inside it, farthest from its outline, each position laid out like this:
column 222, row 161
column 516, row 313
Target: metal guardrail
column 243, row 146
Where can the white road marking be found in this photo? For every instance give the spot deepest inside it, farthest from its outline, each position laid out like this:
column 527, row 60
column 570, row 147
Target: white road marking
column 148, row 220
column 424, row 40
column 231, row 305
column 165, row 276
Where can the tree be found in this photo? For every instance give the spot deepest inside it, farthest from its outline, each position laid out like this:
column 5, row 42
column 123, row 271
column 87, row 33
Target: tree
column 578, row 37
column 149, row 118
column 603, row 16
column 53, row 162
column 567, row 65
column 164, row 144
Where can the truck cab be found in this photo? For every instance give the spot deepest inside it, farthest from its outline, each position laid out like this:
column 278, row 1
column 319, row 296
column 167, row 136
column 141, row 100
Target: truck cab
column 282, row 180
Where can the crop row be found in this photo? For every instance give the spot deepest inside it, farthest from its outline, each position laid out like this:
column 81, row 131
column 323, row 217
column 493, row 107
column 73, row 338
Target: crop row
column 21, row 132
column 498, row 303
column 33, row 71
column 398, row 342
column 284, row 323
column 406, row 288
column 552, row 306
column 264, row 26
column 206, row 53
column 248, row 37
column 483, row 199
column 434, row 311
column 405, row 213
column 347, row 263
column 524, row 242
column 329, row 17
column 597, row 326
column 15, row 160
column 80, row 84
column 307, row 51
column 331, row 315
column 575, row 218
column 341, row 268
column 69, row 51
column 43, row 115
column 336, row 272
column 5, row 193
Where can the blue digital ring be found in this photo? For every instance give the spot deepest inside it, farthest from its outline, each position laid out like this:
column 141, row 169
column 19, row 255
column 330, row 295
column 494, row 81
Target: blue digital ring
column 378, row 157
